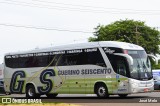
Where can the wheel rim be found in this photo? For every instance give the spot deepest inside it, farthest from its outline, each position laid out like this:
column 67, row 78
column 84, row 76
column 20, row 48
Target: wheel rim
column 30, row 92
column 101, row 91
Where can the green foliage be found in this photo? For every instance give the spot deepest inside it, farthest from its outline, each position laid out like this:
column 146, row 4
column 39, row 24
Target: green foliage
column 129, row 31
column 156, row 66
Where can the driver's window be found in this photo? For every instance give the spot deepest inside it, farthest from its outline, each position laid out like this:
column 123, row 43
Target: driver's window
column 121, row 69
column 119, row 64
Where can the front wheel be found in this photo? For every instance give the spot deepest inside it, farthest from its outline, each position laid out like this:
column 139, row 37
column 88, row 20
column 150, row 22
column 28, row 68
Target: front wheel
column 102, row 91
column 31, row 93
column 52, row 95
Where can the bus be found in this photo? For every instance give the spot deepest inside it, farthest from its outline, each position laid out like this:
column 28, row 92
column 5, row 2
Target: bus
column 156, row 72
column 2, row 91
column 156, row 78
column 103, row 68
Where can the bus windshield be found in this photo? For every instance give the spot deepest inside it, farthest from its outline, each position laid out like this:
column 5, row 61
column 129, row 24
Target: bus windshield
column 141, row 68
column 141, row 65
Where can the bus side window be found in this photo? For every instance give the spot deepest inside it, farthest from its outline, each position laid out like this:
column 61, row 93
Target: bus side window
column 54, row 60
column 62, row 60
column 83, row 58
column 67, row 59
column 72, row 59
column 96, row 58
column 121, row 69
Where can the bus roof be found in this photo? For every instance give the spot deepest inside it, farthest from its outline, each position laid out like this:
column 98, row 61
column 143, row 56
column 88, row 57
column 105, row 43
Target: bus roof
column 115, row 44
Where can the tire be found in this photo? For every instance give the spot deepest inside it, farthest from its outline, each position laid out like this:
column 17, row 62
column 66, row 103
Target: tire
column 31, row 93
column 123, row 95
column 52, row 95
column 102, row 91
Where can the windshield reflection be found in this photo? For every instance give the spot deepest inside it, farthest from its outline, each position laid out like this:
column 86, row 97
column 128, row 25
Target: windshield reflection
column 141, row 65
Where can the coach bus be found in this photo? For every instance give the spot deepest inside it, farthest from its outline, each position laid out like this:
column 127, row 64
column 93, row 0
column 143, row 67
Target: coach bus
column 2, row 91
column 103, row 68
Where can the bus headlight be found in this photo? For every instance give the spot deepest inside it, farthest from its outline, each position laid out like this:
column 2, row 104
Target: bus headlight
column 135, row 85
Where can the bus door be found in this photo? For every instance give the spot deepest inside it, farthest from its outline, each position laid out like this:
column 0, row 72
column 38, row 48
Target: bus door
column 120, row 63
column 121, row 77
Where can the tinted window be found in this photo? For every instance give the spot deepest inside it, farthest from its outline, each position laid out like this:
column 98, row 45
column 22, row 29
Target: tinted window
column 12, row 62
column 24, row 62
column 94, row 58
column 66, row 59
column 119, row 64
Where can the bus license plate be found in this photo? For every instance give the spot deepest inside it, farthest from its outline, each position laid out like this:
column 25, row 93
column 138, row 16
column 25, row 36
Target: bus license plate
column 146, row 90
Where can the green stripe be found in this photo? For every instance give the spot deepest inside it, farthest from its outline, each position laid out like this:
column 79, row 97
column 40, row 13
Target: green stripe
column 87, row 85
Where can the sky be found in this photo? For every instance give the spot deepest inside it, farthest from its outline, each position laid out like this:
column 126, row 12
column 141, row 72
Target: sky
column 30, row 24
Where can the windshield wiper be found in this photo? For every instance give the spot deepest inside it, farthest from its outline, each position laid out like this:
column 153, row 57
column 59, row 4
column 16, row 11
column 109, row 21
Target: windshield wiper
column 139, row 70
column 146, row 71
column 140, row 73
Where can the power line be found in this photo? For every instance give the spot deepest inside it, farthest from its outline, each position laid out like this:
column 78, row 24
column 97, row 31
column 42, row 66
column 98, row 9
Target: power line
column 86, row 6
column 91, row 6
column 55, row 7
column 44, row 28
column 116, row 11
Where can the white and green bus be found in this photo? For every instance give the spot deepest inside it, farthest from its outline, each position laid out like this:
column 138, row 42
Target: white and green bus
column 103, row 68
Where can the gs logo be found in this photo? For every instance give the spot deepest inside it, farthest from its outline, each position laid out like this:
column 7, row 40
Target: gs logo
column 17, row 85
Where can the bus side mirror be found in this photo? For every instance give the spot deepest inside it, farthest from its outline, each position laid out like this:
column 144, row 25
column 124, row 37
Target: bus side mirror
column 154, row 58
column 128, row 57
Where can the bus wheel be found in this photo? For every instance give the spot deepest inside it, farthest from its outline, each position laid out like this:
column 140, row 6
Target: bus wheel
column 102, row 91
column 123, row 95
column 31, row 93
column 52, row 95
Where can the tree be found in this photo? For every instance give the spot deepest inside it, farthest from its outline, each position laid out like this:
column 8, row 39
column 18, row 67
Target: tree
column 129, row 31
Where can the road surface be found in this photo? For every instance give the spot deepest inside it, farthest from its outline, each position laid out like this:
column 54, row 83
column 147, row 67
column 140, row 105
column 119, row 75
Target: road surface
column 153, row 97
column 141, row 99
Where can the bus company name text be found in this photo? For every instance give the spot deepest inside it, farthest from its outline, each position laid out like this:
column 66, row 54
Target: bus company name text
column 85, row 71
column 52, row 53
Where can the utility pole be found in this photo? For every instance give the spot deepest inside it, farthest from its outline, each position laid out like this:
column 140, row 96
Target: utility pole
column 128, row 39
column 137, row 34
